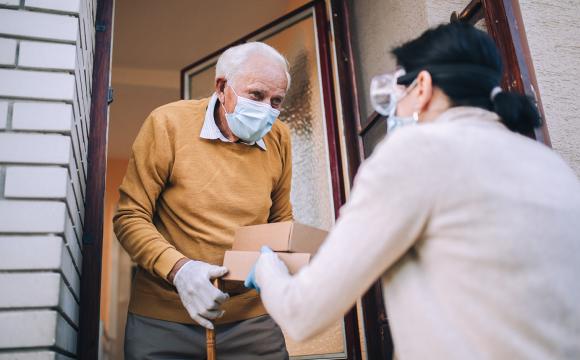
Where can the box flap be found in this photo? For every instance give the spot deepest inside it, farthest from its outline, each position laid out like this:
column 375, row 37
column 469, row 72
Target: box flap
column 274, row 235
column 306, row 239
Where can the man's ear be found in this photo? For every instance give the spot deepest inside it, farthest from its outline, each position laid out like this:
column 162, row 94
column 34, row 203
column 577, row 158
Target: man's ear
column 220, row 86
column 425, row 90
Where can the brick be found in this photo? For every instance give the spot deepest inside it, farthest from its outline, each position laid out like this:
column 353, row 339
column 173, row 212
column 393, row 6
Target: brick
column 36, row 182
column 35, row 148
column 38, row 25
column 36, row 84
column 73, row 243
column 42, row 116
column 29, row 290
column 30, row 252
column 36, row 328
column 10, row 2
column 58, row 5
column 68, row 303
column 18, row 216
column 3, row 114
column 33, row 355
column 37, row 54
column 7, row 51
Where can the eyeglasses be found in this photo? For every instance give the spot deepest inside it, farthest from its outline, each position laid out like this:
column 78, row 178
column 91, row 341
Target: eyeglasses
column 386, row 91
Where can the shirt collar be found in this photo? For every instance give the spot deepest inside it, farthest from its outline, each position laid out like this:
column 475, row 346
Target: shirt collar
column 211, row 131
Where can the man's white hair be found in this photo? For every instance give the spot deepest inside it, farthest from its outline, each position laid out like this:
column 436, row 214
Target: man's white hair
column 230, row 62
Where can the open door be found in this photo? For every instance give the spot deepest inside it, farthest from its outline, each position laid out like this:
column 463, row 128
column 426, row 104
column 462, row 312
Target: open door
column 310, row 112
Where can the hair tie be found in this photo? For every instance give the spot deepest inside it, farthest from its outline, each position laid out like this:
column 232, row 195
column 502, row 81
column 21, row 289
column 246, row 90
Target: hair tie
column 496, row 90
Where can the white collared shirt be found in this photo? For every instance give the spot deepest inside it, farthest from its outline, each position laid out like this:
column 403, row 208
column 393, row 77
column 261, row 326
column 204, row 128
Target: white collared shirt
column 211, row 131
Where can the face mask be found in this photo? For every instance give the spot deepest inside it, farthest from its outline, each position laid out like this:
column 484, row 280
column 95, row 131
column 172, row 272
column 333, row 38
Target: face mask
column 386, row 94
column 395, row 122
column 251, row 120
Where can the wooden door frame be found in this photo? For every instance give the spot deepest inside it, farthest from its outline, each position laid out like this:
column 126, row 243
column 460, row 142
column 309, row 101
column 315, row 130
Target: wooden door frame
column 377, row 332
column 89, row 313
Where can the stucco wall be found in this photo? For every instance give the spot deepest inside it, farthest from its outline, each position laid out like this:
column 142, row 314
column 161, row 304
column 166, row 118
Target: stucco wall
column 553, row 36
column 378, row 26
column 554, row 39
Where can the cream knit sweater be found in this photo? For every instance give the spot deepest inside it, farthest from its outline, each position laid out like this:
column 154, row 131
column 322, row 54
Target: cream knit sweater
column 474, row 232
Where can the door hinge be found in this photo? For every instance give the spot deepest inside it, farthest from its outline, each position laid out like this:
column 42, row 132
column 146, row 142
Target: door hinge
column 110, row 96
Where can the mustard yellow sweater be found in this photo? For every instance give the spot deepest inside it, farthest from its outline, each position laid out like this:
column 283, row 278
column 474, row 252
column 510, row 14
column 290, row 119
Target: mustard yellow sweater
column 183, row 196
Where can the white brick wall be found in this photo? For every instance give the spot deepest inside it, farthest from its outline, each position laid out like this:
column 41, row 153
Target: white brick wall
column 46, row 63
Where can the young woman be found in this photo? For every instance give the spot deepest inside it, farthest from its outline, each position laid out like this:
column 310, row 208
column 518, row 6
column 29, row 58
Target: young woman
column 472, row 228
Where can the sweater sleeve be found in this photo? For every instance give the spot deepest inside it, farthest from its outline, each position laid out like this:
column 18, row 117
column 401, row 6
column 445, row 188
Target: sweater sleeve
column 388, row 210
column 148, row 172
column 281, row 209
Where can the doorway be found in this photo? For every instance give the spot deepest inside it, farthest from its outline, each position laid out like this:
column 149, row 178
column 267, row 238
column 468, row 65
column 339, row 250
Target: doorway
column 301, row 31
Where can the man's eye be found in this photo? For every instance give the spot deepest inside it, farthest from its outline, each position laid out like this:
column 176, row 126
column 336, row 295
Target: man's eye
column 257, row 95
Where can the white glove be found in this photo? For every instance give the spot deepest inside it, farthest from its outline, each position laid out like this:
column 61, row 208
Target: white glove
column 199, row 297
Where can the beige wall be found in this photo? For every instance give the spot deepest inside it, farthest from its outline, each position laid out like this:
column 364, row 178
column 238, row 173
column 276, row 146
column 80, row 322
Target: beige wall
column 554, row 38
column 380, row 25
column 552, row 33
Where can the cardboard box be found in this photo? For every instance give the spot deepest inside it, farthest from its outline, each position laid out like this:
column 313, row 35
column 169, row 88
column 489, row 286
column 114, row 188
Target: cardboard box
column 287, row 236
column 239, row 263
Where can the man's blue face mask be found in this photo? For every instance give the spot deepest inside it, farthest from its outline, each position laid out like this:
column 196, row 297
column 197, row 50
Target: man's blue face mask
column 251, row 120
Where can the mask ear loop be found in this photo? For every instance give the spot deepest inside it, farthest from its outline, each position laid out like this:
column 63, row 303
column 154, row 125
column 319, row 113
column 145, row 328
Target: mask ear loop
column 222, row 104
column 407, row 91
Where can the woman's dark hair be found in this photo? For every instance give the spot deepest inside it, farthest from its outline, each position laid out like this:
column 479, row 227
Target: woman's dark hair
column 465, row 64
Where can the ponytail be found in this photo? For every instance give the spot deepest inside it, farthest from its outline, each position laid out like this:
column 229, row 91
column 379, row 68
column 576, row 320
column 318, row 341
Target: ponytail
column 517, row 112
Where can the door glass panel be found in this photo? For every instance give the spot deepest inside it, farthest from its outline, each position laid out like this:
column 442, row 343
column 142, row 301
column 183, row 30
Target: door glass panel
column 203, row 86
column 303, row 113
column 373, row 136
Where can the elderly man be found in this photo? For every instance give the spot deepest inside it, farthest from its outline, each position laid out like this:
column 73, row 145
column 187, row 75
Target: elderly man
column 199, row 170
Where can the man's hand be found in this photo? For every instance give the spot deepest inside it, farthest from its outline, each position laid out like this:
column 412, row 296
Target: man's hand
column 199, row 297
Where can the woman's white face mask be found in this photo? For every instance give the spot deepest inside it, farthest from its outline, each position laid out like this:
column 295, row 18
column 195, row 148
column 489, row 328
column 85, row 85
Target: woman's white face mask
column 386, row 94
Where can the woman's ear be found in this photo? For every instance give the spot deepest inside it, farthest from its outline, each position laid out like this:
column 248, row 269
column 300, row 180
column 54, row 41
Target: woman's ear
column 424, row 91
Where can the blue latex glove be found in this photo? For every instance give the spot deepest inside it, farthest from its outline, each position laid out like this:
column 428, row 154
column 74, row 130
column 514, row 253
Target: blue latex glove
column 250, row 282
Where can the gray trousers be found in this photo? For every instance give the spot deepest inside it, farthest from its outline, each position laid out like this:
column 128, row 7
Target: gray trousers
column 257, row 338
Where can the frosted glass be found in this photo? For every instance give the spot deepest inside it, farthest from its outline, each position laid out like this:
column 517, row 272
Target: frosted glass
column 303, row 112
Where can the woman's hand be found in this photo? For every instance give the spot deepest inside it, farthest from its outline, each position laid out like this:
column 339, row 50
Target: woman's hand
column 250, row 282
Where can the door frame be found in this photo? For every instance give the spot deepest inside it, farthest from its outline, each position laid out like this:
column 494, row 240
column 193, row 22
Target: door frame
column 90, row 300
